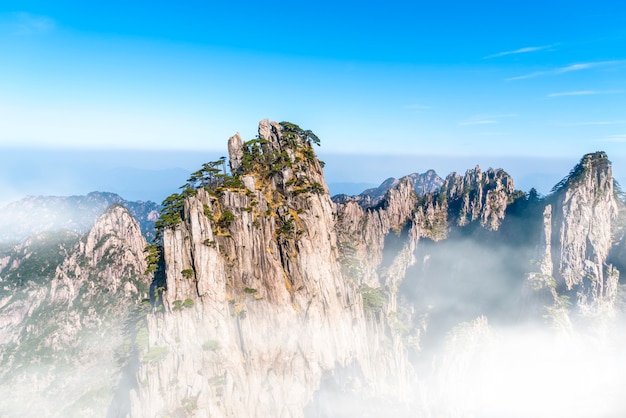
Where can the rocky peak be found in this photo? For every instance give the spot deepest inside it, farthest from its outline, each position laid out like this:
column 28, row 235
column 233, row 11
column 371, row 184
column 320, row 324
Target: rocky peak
column 364, row 228
column 68, row 317
column 251, row 279
column 115, row 227
column 113, row 251
column 479, row 195
column 578, row 224
column 585, row 209
column 427, row 182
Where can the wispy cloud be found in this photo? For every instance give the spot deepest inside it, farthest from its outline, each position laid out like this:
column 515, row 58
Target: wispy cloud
column 478, row 122
column 584, row 93
column 616, row 138
column 485, row 119
column 520, row 51
column 596, row 123
column 22, row 23
column 569, row 69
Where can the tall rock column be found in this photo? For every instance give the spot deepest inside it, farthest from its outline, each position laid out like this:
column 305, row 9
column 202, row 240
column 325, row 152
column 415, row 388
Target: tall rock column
column 579, row 226
column 255, row 308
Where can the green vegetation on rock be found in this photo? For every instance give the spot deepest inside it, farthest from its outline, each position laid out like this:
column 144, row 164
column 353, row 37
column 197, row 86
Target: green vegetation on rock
column 373, row 298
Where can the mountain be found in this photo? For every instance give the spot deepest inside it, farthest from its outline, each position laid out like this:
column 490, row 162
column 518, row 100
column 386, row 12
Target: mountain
column 579, row 229
column 255, row 311
column 261, row 296
column 35, row 214
column 422, row 183
column 258, row 269
column 66, row 302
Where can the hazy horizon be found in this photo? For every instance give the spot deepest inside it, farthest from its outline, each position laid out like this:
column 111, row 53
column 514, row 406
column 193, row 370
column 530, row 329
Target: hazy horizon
column 153, row 175
column 420, row 85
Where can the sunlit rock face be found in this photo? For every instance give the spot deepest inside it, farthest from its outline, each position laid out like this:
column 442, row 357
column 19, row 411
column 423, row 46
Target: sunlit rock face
column 255, row 307
column 479, row 195
column 112, row 251
column 378, row 241
column 269, row 299
column 579, row 225
column 65, row 303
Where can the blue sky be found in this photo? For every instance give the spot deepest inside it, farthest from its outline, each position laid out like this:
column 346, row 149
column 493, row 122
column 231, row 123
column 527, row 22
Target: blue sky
column 464, row 80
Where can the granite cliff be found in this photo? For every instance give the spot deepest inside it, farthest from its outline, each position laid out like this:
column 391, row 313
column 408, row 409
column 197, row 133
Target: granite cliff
column 255, row 311
column 64, row 304
column 268, row 294
column 580, row 228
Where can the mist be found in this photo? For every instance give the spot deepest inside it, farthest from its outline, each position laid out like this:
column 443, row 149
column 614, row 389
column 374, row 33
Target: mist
column 488, row 344
column 522, row 371
column 488, row 347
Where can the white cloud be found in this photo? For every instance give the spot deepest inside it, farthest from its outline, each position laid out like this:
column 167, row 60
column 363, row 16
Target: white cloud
column 616, row 138
column 485, row 119
column 584, row 93
column 22, row 23
column 568, row 69
column 520, row 51
column 477, row 122
column 596, row 123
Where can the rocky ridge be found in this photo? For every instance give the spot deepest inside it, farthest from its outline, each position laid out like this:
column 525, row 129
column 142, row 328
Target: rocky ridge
column 269, row 299
column 580, row 220
column 62, row 332
column 256, row 308
column 427, row 182
column 364, row 230
column 261, row 248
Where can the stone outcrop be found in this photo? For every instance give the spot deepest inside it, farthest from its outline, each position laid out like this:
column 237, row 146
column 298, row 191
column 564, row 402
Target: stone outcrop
column 365, row 229
column 235, row 151
column 256, row 309
column 578, row 226
column 63, row 328
column 479, row 195
column 113, row 252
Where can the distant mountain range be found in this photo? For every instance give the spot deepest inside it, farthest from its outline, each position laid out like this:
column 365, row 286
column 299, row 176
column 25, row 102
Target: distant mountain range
column 427, row 182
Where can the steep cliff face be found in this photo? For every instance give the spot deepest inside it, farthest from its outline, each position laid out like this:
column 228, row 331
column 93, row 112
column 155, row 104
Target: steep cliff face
column 256, row 309
column 112, row 252
column 382, row 249
column 268, row 299
column 62, row 326
column 362, row 232
column 578, row 235
column 617, row 254
column 365, row 230
column 479, row 195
